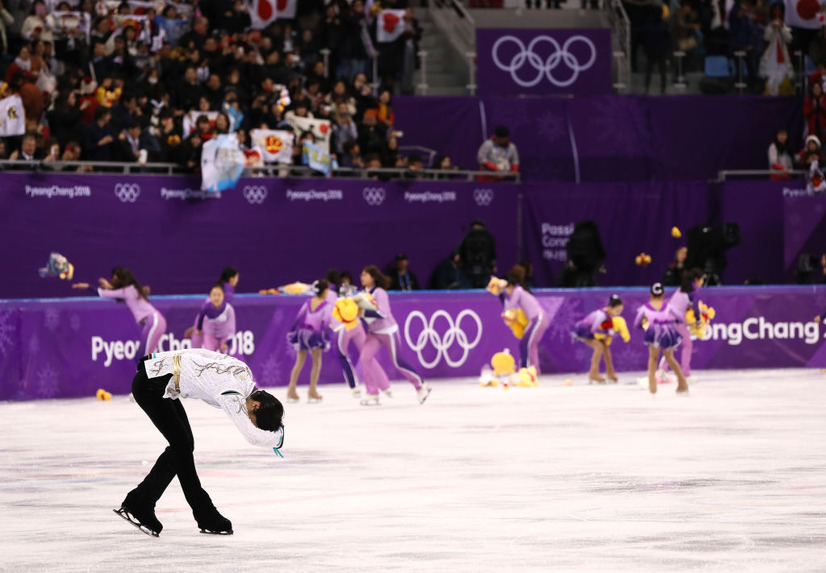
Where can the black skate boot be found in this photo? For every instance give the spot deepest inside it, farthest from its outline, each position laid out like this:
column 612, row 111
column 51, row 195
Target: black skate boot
column 140, row 516
column 214, row 523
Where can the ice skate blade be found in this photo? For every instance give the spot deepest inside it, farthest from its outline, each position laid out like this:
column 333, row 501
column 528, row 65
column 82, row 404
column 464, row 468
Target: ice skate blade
column 423, row 394
column 315, row 400
column 387, row 393
column 370, row 401
column 208, row 532
column 683, row 394
column 293, row 400
column 126, row 516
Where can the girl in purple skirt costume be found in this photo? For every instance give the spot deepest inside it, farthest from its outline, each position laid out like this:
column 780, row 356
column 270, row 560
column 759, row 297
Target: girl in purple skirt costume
column 311, row 333
column 661, row 333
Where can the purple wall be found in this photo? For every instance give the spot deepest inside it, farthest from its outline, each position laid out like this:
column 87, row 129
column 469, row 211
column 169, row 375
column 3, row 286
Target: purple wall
column 608, row 138
column 275, row 231
column 278, row 231
column 69, row 348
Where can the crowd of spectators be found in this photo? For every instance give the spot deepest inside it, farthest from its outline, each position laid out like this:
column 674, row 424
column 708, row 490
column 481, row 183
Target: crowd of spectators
column 123, row 89
column 722, row 28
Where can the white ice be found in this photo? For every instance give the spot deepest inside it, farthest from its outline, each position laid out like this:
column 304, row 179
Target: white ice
column 555, row 478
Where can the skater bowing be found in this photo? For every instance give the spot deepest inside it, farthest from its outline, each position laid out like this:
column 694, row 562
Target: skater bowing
column 219, row 380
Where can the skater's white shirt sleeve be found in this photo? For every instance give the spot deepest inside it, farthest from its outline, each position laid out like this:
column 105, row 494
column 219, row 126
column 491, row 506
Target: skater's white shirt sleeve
column 235, row 407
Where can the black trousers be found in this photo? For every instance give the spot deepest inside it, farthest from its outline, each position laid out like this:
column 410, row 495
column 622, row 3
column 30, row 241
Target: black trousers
column 177, row 459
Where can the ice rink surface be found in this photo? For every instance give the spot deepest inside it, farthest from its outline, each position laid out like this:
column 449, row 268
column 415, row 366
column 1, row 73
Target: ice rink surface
column 555, row 478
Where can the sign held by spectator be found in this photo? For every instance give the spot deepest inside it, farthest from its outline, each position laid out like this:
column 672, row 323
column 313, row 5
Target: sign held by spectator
column 320, row 128
column 12, row 116
column 543, row 62
column 222, row 163
column 274, row 146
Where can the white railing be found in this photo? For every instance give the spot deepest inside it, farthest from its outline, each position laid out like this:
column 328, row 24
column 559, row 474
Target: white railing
column 277, row 171
column 621, row 31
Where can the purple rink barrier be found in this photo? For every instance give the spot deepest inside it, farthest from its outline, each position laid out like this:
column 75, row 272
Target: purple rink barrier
column 70, row 348
column 804, row 230
column 607, row 137
column 543, row 62
column 176, row 238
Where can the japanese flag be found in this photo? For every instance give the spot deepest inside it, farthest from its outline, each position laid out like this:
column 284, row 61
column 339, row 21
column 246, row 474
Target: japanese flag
column 390, row 25
column 274, row 146
column 265, row 12
column 804, row 14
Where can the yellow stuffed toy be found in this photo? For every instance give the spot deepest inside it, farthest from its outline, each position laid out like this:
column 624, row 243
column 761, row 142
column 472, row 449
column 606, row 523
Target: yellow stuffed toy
column 517, row 321
column 698, row 328
column 501, row 366
column 346, row 312
column 525, row 378
column 496, row 286
column 619, row 326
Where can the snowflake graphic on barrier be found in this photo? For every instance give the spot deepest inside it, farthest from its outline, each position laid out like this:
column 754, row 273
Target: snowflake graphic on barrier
column 551, row 126
column 630, row 356
column 47, row 382
column 51, row 319
column 564, row 319
column 617, row 122
column 582, row 353
column 270, row 371
column 34, row 344
column 74, row 322
column 7, row 330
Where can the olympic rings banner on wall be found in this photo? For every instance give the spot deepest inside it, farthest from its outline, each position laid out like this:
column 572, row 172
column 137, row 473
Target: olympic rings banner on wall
column 543, row 62
column 70, row 348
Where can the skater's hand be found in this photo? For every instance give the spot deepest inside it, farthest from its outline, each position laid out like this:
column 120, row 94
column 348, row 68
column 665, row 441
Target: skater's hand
column 86, row 285
column 104, row 283
column 198, row 332
column 224, row 348
column 817, row 318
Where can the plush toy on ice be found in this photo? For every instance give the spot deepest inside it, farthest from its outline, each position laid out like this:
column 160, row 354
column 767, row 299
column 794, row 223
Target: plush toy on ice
column 501, row 367
column 58, row 266
column 502, row 370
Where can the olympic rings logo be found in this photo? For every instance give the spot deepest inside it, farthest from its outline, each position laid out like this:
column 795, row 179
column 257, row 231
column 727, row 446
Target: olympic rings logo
column 454, row 335
column 559, row 56
column 255, row 194
column 128, row 192
column 374, row 196
column 483, row 197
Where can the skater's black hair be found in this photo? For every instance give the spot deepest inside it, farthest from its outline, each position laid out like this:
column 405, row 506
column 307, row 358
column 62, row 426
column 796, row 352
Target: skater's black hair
column 218, row 285
column 516, row 277
column 657, row 290
column 270, row 415
column 228, row 273
column 333, row 277
column 123, row 277
column 320, row 286
column 614, row 301
column 689, row 278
